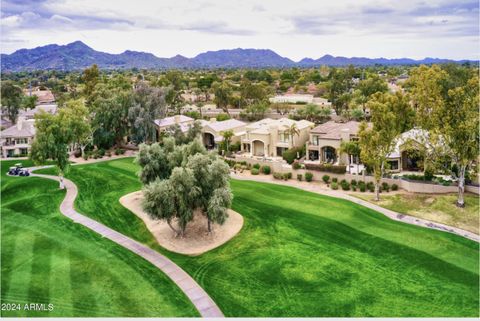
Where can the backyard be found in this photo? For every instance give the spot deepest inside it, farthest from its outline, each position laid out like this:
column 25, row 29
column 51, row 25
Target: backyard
column 302, row 254
column 439, row 208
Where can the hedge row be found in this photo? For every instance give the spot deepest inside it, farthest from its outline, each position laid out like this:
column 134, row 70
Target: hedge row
column 337, row 169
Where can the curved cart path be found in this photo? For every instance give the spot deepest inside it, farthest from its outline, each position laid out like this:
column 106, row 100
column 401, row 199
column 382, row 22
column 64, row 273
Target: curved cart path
column 200, row 299
column 311, row 187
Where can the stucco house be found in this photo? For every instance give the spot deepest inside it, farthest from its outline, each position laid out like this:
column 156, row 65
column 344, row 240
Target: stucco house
column 271, row 137
column 212, row 131
column 16, row 140
column 183, row 121
column 403, row 156
column 325, row 140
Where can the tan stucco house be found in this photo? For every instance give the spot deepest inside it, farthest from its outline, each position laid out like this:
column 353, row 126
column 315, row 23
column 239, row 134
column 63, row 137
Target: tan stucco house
column 271, row 137
column 212, row 131
column 17, row 140
column 165, row 123
column 323, row 146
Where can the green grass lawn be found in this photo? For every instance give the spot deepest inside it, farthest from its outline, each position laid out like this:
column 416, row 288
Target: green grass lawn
column 438, row 208
column 303, row 254
column 46, row 258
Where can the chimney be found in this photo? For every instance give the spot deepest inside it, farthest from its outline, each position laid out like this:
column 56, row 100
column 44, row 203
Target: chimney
column 345, row 134
column 20, row 121
column 177, row 119
column 212, row 120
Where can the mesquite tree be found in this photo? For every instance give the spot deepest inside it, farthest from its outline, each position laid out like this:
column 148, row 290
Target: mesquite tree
column 180, row 180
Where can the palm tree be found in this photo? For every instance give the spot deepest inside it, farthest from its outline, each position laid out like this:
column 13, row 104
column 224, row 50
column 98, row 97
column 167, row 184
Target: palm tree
column 350, row 148
column 227, row 137
column 292, row 131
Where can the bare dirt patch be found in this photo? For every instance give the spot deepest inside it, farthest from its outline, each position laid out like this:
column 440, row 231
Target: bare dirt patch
column 197, row 240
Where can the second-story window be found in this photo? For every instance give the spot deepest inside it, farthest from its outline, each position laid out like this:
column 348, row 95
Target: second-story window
column 315, row 140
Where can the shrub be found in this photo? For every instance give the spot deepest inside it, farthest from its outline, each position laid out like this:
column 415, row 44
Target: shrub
column 101, row 152
column 326, row 178
column 334, row 186
column 334, row 180
column 119, row 151
column 299, row 177
column 362, row 188
column 237, row 166
column 254, row 171
column 446, row 183
column 296, row 165
column 371, row 187
column 266, row 169
column 108, row 153
column 345, row 185
column 86, row 155
column 291, row 154
column 394, row 187
column 257, row 166
column 353, row 182
column 222, row 117
column 385, row 187
column 308, row 176
column 343, row 181
column 277, row 175
column 354, row 188
column 77, row 153
column 287, row 176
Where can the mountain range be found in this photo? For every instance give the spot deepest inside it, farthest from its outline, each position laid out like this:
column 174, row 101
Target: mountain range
column 77, row 55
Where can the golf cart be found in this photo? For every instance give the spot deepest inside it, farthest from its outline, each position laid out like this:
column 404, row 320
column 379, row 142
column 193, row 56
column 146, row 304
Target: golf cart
column 18, row 170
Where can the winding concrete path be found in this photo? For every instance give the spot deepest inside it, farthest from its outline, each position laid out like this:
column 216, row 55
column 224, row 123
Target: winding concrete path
column 200, row 299
column 312, row 187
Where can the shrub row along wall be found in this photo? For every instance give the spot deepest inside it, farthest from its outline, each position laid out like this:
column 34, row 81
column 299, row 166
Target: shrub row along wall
column 410, row 186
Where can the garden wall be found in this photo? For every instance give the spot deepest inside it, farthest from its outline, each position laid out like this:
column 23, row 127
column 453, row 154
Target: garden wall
column 409, row 186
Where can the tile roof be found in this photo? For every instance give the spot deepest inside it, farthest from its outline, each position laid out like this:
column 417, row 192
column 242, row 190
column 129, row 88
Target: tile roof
column 333, row 130
column 27, row 130
column 228, row 124
column 169, row 121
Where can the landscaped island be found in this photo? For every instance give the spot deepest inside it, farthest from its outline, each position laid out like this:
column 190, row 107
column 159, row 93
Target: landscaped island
column 302, row 254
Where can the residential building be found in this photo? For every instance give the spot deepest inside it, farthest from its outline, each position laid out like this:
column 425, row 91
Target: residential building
column 271, row 137
column 16, row 140
column 44, row 96
column 30, row 113
column 183, row 121
column 323, row 146
column 212, row 131
column 292, row 99
column 405, row 155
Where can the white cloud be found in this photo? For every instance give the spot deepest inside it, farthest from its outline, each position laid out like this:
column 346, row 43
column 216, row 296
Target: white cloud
column 413, row 28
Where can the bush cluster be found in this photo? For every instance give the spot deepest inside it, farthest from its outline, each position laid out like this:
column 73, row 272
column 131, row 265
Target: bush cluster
column 299, row 177
column 308, row 176
column 277, row 175
column 326, row 179
column 254, row 171
column 266, row 169
column 334, row 185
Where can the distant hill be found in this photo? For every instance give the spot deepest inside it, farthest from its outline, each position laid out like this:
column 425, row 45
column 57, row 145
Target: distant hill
column 78, row 55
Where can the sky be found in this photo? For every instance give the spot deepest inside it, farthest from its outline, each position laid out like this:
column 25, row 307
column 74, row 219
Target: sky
column 294, row 29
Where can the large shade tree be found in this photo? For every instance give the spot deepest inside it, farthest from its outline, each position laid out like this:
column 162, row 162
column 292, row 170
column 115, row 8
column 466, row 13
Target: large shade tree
column 376, row 142
column 447, row 103
column 11, row 100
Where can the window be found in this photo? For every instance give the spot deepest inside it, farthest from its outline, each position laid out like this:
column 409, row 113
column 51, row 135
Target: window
column 315, row 140
column 284, row 137
column 393, row 164
column 22, row 140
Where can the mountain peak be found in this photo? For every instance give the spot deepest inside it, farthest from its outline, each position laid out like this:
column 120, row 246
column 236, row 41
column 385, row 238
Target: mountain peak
column 78, row 44
column 77, row 55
